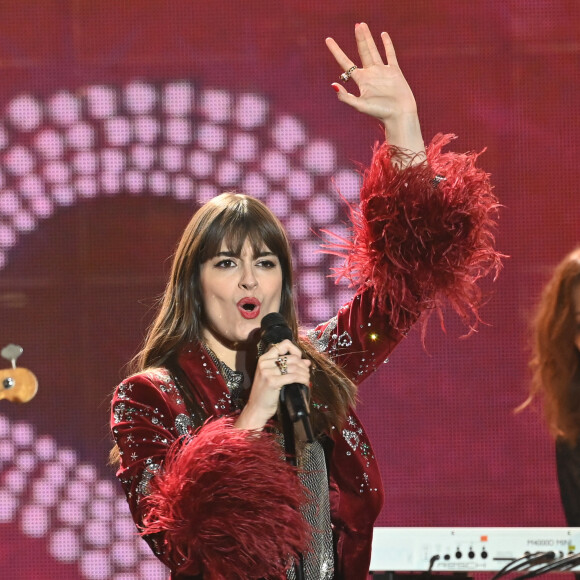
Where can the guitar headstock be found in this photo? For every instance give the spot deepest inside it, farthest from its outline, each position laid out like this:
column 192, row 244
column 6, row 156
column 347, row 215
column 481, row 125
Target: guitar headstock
column 17, row 384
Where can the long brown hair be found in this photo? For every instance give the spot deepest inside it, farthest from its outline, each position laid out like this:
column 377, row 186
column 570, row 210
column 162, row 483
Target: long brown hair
column 555, row 360
column 232, row 218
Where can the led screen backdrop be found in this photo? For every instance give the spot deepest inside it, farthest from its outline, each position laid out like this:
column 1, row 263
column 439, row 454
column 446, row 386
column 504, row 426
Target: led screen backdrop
column 118, row 119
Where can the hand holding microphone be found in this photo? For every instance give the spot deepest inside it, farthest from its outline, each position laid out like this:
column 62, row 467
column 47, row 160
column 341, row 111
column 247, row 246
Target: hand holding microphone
column 281, row 363
column 294, row 396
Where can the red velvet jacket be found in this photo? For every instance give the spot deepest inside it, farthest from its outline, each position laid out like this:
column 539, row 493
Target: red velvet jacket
column 415, row 240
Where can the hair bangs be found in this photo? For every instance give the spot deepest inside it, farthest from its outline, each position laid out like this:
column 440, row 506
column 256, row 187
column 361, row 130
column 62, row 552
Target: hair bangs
column 243, row 221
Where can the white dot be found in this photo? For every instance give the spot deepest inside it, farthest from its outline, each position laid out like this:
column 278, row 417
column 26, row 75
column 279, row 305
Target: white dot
column 158, row 183
column 25, row 461
column 85, row 162
column 146, row 129
column 205, row 192
column 178, row 131
column 57, row 172
column 255, row 184
column 279, row 203
column 64, row 545
column 320, row 157
column 105, row 489
column 86, row 472
column 124, row 554
column 227, row 173
column 112, row 160
column 134, row 181
column 54, row 473
column 102, row 101
column 275, row 165
column 71, row 513
column 118, row 131
column 80, row 136
column 111, row 183
column 183, row 187
column 178, row 98
column 319, row 309
column 23, row 434
column 44, row 492
column 95, row 565
column 312, row 283
column 35, row 521
column 64, row 108
column 63, row 194
column 45, row 447
column 24, row 221
column 211, row 137
column 201, row 164
column 124, row 528
column 140, row 98
column 309, row 253
column 322, row 210
column 86, row 186
column 49, row 143
column 19, row 160
column 97, row 533
column 31, row 186
column 143, row 157
column 42, row 207
column 172, row 158
column 216, row 105
column 67, row 457
column 15, row 481
column 288, row 134
column 300, row 185
column 25, row 112
column 348, row 184
column 9, row 203
column 244, row 148
column 251, row 111
column 298, row 226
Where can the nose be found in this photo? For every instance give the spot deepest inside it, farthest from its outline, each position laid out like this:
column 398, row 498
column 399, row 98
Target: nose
column 248, row 280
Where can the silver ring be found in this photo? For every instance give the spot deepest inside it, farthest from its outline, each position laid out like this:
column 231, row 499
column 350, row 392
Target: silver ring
column 345, row 76
column 282, row 363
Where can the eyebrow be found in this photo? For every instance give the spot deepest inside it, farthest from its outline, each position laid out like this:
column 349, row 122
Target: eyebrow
column 230, row 254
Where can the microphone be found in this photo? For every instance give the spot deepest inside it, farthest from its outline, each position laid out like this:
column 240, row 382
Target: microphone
column 294, row 396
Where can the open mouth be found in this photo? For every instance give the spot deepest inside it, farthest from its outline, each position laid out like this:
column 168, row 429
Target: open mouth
column 249, row 307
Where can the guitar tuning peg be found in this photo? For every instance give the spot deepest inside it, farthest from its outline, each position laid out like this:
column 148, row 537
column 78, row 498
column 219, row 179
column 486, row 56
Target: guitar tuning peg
column 11, row 352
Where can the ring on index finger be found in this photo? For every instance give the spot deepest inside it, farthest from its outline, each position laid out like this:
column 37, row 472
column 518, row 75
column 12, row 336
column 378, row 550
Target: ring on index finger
column 282, row 364
column 345, row 76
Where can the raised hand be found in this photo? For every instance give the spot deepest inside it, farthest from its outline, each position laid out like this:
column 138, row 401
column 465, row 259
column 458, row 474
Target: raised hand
column 383, row 90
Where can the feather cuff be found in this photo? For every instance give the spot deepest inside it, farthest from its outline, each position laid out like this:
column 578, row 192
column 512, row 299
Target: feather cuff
column 418, row 238
column 227, row 504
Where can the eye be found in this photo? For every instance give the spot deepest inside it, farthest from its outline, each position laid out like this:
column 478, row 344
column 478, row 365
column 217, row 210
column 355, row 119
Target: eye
column 267, row 264
column 226, row 263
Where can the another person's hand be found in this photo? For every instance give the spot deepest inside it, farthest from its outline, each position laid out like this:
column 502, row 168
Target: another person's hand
column 281, row 365
column 384, row 91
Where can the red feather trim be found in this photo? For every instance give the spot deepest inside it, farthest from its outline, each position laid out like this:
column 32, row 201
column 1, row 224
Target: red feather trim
column 415, row 241
column 228, row 504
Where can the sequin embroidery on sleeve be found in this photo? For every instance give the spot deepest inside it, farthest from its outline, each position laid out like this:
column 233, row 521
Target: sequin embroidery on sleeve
column 321, row 342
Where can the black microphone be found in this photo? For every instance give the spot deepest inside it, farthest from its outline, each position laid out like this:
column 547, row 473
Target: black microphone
column 293, row 396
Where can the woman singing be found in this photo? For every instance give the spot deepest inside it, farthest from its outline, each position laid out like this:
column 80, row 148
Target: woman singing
column 197, row 430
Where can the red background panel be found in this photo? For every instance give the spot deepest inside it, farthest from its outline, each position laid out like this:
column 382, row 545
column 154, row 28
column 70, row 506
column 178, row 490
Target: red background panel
column 77, row 290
